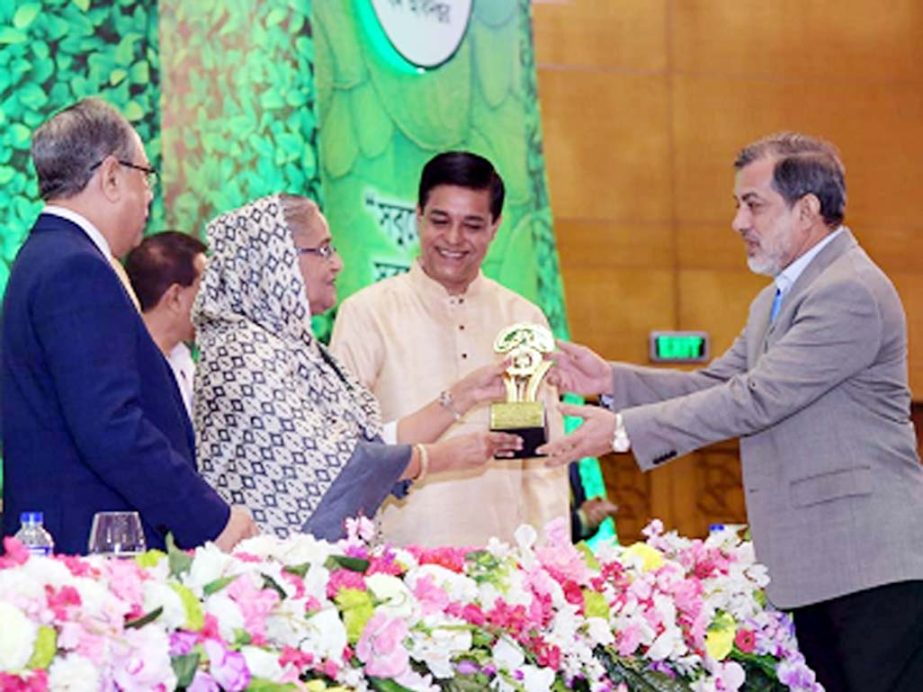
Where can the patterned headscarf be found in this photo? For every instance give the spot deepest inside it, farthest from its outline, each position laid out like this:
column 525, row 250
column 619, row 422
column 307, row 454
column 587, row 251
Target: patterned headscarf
column 276, row 416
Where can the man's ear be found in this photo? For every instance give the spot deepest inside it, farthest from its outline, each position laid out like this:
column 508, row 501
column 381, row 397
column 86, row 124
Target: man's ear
column 809, row 208
column 171, row 298
column 109, row 178
column 494, row 226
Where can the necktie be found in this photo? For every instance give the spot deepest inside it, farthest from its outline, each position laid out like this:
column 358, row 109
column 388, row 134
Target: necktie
column 776, row 306
column 123, row 277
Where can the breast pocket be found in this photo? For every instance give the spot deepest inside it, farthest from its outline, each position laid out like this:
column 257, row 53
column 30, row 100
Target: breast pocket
column 831, row 486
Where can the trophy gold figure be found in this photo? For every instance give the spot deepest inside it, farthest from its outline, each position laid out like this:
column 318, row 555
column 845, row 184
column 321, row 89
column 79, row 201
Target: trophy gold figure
column 524, row 345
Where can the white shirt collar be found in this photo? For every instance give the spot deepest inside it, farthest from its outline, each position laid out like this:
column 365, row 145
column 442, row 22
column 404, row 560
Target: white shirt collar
column 788, row 276
column 85, row 225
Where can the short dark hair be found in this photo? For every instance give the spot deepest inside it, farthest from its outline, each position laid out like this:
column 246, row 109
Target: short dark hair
column 161, row 260
column 67, row 145
column 804, row 165
column 463, row 169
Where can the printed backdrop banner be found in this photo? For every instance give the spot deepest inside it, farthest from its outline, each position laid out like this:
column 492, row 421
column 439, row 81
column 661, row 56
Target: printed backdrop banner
column 388, row 100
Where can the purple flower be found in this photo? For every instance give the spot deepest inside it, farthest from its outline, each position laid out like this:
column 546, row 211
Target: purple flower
column 228, row 668
column 203, row 682
column 467, row 667
column 181, row 643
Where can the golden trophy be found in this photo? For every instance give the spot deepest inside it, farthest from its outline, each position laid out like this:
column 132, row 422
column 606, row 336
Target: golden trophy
column 524, row 345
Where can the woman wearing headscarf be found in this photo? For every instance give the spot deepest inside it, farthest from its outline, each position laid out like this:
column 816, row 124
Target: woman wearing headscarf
column 282, row 427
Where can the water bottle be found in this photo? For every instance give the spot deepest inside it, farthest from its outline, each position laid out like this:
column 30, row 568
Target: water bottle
column 33, row 535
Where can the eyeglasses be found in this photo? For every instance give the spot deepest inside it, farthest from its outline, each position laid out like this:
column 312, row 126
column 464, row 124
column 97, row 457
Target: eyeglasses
column 324, row 251
column 149, row 173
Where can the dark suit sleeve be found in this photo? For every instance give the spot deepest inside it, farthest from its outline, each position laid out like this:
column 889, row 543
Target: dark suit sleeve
column 91, row 338
column 371, row 473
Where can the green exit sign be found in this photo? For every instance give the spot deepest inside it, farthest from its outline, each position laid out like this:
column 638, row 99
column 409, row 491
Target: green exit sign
column 679, row 347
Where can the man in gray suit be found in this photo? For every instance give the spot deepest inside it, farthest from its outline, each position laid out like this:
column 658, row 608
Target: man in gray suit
column 816, row 389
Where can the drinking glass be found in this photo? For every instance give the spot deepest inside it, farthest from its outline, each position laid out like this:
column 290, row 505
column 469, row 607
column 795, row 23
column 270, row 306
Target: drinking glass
column 117, row 534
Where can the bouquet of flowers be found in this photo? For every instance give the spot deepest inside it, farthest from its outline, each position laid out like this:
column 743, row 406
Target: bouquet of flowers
column 666, row 614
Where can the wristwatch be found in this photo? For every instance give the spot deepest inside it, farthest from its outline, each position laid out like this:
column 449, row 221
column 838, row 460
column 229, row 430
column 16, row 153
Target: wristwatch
column 447, row 401
column 620, row 441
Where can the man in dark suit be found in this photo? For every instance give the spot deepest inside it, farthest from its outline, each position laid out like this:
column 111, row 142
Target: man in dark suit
column 816, row 388
column 92, row 419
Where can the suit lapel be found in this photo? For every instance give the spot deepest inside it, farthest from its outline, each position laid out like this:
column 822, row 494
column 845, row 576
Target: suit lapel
column 815, row 268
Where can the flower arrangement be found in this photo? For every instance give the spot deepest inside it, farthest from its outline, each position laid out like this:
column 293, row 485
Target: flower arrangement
column 666, row 614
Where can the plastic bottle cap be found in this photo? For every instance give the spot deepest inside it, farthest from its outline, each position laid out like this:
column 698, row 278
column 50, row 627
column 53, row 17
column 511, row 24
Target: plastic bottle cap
column 31, row 518
column 713, row 528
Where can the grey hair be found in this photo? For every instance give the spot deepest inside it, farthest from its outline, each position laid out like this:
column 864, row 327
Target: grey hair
column 804, row 165
column 300, row 212
column 70, row 143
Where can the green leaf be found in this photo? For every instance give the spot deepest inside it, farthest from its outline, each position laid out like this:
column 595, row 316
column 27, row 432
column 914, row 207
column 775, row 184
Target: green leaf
column 21, row 134
column 150, row 558
column 260, row 685
column 298, row 570
column 387, row 685
column 117, row 75
column 140, row 73
column 84, row 5
column 10, row 35
column 133, row 112
column 216, row 585
column 353, row 564
column 195, row 617
column 46, row 642
column 185, row 668
column 270, row 583
column 26, row 14
column 179, row 561
column 32, row 96
column 137, row 623
column 6, row 174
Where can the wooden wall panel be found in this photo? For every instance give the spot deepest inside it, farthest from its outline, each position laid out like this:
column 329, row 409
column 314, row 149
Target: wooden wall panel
column 819, row 40
column 607, row 165
column 645, row 104
column 629, row 34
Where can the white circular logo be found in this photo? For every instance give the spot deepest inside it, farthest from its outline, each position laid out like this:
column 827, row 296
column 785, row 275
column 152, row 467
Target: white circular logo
column 424, row 32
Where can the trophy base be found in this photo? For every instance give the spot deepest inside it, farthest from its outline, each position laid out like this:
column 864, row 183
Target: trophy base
column 523, row 418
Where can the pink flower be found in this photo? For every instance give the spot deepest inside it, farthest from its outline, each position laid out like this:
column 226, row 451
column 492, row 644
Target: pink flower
column 431, row 597
column 381, row 647
column 16, row 553
column 745, row 640
column 255, row 604
column 62, row 600
column 126, row 581
column 228, row 668
column 344, row 579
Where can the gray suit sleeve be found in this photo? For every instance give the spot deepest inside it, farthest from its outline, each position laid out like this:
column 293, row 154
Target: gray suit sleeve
column 635, row 385
column 371, row 473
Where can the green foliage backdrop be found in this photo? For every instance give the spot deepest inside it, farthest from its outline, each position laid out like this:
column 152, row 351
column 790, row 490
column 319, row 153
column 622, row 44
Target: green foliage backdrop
column 238, row 107
column 53, row 53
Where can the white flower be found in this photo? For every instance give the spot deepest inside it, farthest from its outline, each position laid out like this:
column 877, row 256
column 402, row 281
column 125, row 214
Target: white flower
column 160, row 595
column 325, row 635
column 397, row 601
column 209, row 563
column 227, row 612
column 73, row 673
column 507, row 655
column 599, row 631
column 17, row 637
column 286, row 623
column 537, row 679
column 437, row 648
column 262, row 664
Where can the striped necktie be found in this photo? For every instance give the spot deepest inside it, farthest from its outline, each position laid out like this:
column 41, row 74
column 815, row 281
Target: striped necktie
column 776, row 306
column 123, row 277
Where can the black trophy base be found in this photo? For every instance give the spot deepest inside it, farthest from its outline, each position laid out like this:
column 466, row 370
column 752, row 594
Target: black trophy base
column 532, row 439
column 526, row 419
